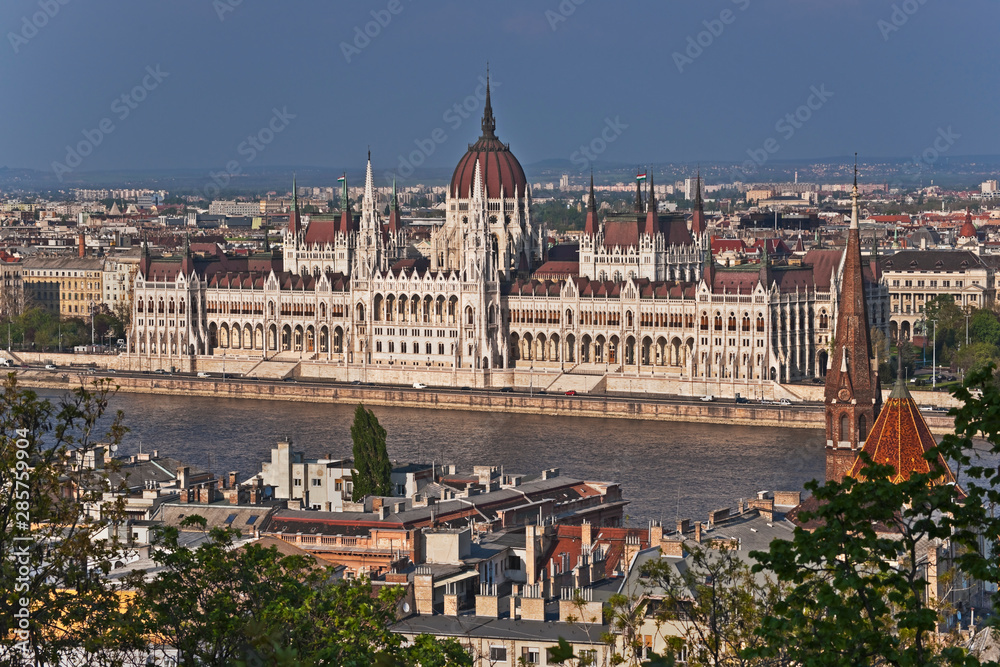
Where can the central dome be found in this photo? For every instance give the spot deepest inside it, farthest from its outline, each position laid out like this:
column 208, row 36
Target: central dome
column 498, row 166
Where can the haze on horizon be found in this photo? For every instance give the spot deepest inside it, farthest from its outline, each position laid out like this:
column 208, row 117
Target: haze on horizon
column 679, row 82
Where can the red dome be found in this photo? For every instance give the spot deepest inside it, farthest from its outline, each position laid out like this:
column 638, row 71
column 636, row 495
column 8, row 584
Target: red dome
column 968, row 229
column 497, row 164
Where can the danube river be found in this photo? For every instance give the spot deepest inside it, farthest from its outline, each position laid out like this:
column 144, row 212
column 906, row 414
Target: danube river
column 666, row 469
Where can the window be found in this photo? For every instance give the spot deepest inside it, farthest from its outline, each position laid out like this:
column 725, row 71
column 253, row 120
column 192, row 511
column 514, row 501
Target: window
column 529, row 655
column 498, row 654
column 338, row 485
column 252, row 520
column 317, row 482
column 298, row 482
column 230, row 519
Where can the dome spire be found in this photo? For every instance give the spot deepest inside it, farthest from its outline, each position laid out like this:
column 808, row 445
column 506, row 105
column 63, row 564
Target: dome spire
column 590, row 226
column 489, row 123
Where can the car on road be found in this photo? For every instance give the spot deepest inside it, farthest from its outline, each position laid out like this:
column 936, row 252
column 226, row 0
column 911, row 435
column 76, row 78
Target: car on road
column 784, row 401
column 160, row 371
column 742, row 399
column 571, row 392
column 708, row 398
column 506, row 390
column 465, row 388
column 288, row 379
column 419, row 385
column 355, row 382
column 202, row 374
column 51, row 367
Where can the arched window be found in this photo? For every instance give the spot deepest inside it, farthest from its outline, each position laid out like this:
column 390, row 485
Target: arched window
column 862, row 427
column 760, row 322
column 718, row 321
column 844, row 429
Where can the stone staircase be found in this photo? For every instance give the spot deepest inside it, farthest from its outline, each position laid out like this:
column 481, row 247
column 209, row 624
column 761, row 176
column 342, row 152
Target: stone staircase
column 582, row 378
column 272, row 369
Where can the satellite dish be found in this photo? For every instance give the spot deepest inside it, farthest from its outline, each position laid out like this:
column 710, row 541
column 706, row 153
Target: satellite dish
column 406, row 607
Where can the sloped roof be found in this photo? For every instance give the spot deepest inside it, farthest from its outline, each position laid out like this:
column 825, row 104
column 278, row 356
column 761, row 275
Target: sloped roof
column 900, row 438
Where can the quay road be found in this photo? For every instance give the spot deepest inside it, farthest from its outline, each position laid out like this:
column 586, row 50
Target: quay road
column 657, row 407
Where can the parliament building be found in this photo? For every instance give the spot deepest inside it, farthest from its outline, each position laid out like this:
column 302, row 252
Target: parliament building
column 645, row 302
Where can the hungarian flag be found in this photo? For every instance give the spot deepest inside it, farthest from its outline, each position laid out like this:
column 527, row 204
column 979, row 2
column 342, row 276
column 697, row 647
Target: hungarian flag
column 342, row 178
column 640, row 177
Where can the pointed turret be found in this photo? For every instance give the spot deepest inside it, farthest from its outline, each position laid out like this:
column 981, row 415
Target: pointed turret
column 294, row 224
column 368, row 201
column 900, row 438
column 395, row 221
column 187, row 263
column 489, row 123
column 698, row 214
column 652, row 215
column 346, row 223
column 853, row 397
column 708, row 267
column 590, row 227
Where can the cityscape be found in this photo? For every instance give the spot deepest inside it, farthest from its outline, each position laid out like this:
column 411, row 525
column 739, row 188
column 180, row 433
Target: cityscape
column 325, row 346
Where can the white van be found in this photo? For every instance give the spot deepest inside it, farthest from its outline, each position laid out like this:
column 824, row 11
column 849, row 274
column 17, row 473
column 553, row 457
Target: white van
column 202, row 374
column 6, row 363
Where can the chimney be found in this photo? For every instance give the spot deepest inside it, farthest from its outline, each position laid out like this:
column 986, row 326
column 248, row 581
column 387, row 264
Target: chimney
column 697, row 532
column 655, row 533
column 182, row 476
column 586, row 534
column 82, row 245
column 530, row 559
column 233, row 479
column 683, row 526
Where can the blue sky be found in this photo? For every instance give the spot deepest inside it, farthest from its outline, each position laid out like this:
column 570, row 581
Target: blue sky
column 891, row 74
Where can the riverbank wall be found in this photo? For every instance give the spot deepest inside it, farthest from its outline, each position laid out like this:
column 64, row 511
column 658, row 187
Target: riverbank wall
column 607, row 406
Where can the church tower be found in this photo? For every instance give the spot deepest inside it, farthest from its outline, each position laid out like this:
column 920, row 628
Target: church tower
column 853, row 397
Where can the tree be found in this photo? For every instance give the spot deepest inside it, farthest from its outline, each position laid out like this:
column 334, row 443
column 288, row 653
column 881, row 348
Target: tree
column 718, row 603
column 372, row 468
column 222, row 604
column 984, row 327
column 58, row 533
column 857, row 594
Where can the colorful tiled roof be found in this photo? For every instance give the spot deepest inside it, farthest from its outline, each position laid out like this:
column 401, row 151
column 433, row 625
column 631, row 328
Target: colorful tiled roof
column 900, row 438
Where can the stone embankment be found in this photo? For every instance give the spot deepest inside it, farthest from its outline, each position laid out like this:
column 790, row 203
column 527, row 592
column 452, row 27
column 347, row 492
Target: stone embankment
column 605, row 406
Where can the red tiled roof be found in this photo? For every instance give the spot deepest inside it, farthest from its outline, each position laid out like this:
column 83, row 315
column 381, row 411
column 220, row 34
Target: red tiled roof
column 900, row 438
column 321, row 231
column 621, row 234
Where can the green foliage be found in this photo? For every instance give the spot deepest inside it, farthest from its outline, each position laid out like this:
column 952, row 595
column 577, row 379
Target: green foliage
column 856, row 589
column 39, row 329
column 559, row 216
column 372, row 468
column 717, row 602
column 51, row 515
column 224, row 604
column 984, row 327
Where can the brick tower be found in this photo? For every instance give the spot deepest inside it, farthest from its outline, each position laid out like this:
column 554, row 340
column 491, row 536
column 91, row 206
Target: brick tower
column 853, row 397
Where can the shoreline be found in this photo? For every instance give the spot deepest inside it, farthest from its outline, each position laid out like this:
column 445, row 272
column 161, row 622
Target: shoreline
column 603, row 406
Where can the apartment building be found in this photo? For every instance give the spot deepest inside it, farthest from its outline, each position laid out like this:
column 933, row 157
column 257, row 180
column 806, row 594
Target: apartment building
column 69, row 286
column 915, row 277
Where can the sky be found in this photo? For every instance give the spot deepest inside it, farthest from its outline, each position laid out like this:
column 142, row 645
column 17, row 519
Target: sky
column 163, row 84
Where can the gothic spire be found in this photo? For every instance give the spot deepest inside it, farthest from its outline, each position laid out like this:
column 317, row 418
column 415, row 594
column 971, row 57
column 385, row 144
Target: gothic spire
column 652, row 216
column 852, row 396
column 590, row 226
column 698, row 213
column 489, row 123
column 395, row 221
column 294, row 225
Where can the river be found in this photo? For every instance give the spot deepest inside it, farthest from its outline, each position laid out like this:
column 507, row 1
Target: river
column 667, row 469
